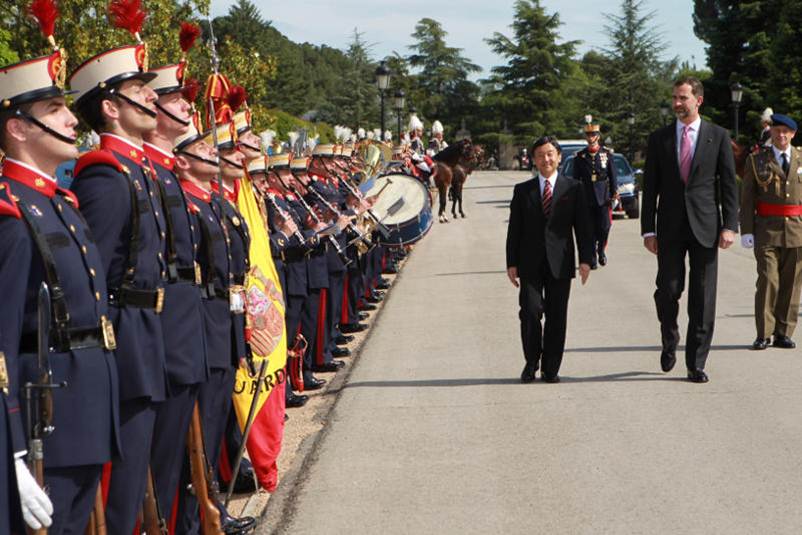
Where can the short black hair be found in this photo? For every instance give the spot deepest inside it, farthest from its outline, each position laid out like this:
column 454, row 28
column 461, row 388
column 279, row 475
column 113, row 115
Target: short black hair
column 6, row 116
column 545, row 140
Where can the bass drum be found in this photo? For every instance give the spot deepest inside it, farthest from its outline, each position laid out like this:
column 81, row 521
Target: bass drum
column 403, row 207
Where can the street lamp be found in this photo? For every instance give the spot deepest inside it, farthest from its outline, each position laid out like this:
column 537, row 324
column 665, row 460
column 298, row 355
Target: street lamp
column 737, row 94
column 631, row 123
column 664, row 109
column 399, row 102
column 382, row 82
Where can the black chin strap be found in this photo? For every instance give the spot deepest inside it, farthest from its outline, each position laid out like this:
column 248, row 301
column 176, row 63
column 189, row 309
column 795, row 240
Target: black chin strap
column 133, row 103
column 251, row 147
column 200, row 158
column 30, row 118
column 232, row 164
column 170, row 115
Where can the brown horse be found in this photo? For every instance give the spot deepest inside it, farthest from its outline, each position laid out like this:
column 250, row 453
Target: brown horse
column 461, row 172
column 459, row 155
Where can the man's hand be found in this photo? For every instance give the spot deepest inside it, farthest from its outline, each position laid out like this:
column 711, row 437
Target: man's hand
column 650, row 242
column 747, row 241
column 512, row 273
column 37, row 509
column 726, row 239
column 584, row 271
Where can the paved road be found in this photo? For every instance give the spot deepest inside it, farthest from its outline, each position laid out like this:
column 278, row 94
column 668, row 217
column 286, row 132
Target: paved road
column 434, row 434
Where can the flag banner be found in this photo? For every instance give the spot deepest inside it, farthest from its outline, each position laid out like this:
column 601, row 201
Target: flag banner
column 266, row 331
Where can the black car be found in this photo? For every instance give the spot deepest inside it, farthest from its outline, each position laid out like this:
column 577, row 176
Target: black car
column 628, row 192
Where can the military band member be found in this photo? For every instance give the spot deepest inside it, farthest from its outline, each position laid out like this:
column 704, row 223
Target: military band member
column 43, row 238
column 416, row 134
column 436, row 143
column 771, row 222
column 185, row 351
column 594, row 167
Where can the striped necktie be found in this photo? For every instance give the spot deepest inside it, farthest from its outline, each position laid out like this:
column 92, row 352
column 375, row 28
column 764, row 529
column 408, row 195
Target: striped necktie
column 547, row 198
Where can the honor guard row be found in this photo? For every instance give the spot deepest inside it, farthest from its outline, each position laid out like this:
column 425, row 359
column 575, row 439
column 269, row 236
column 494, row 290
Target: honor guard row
column 124, row 316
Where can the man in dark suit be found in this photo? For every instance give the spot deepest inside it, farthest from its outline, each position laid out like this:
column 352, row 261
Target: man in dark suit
column 545, row 214
column 690, row 173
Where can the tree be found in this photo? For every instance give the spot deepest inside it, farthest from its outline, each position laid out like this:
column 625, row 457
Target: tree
column 443, row 90
column 638, row 81
column 7, row 55
column 740, row 36
column 528, row 90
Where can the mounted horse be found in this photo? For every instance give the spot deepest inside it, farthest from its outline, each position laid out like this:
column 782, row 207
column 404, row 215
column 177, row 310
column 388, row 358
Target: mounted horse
column 452, row 167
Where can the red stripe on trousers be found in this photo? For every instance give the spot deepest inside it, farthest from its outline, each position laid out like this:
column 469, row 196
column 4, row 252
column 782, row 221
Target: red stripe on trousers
column 344, row 312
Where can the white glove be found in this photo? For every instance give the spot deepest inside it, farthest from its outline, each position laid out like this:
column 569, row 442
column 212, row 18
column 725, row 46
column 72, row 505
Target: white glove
column 36, row 506
column 747, row 241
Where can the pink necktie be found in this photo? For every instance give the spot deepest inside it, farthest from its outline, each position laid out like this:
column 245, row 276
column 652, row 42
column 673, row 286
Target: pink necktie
column 685, row 154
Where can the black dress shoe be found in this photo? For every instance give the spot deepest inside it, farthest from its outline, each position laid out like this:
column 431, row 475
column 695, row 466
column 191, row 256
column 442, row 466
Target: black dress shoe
column 363, row 316
column 367, row 306
column 667, row 361
column 697, row 376
column 602, row 259
column 235, row 526
column 383, row 286
column 340, row 352
column 528, row 375
column 783, row 342
column 761, row 343
column 374, row 299
column 314, row 383
column 550, row 378
column 328, row 367
column 343, row 339
column 390, row 270
column 348, row 328
column 295, row 401
column 594, row 265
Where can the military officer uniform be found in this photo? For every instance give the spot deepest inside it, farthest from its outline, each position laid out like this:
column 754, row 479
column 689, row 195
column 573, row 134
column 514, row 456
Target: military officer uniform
column 594, row 167
column 120, row 201
column 12, row 440
column 771, row 211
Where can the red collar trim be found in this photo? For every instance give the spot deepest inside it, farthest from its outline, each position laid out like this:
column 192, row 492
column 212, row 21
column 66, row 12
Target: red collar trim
column 593, row 149
column 123, row 147
column 196, row 191
column 159, row 157
column 275, row 191
column 230, row 195
column 27, row 176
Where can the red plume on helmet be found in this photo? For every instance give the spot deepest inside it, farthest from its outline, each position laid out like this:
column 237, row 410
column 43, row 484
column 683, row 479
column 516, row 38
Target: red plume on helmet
column 191, row 90
column 45, row 12
column 187, row 36
column 237, row 97
column 128, row 15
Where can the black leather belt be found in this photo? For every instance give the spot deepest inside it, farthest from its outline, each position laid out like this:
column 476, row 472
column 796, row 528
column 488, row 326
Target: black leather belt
column 132, row 297
column 187, row 274
column 72, row 340
column 207, row 294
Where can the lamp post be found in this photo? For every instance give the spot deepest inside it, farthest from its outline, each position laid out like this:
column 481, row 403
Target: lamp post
column 664, row 109
column 737, row 94
column 631, row 123
column 399, row 102
column 382, row 82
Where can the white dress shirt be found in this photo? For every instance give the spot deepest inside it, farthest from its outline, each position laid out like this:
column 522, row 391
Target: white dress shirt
column 552, row 181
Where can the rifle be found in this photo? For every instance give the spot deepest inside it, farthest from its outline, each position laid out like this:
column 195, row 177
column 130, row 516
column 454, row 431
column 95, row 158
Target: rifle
column 97, row 518
column 153, row 521
column 39, row 396
column 200, row 470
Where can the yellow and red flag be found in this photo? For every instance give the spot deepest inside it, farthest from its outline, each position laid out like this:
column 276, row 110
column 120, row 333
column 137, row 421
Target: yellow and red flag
column 268, row 338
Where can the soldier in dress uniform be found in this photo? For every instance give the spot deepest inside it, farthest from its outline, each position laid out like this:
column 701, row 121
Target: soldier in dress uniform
column 593, row 166
column 771, row 222
column 416, row 134
column 43, row 238
column 197, row 167
column 185, row 351
column 120, row 200
column 436, row 142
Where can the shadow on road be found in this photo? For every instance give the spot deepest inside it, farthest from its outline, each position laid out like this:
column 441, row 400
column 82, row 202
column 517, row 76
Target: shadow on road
column 505, row 202
column 629, row 349
column 436, row 382
column 457, row 273
column 623, row 376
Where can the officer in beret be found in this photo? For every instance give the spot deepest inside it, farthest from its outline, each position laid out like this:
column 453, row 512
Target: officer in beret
column 771, row 223
column 43, row 238
column 593, row 166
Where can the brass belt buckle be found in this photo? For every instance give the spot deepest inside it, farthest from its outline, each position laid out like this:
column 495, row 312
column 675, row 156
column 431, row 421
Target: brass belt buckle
column 159, row 300
column 109, row 340
column 3, row 374
column 198, row 278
